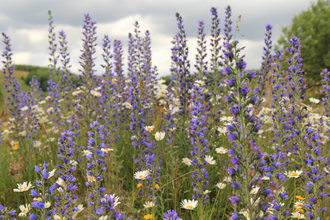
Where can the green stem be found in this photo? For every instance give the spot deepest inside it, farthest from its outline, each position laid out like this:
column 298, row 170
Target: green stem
column 294, row 194
column 224, row 210
column 214, row 204
column 133, row 186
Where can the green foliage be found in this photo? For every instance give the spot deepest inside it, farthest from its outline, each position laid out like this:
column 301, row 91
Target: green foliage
column 167, row 79
column 313, row 29
column 42, row 75
column 1, row 98
column 27, row 68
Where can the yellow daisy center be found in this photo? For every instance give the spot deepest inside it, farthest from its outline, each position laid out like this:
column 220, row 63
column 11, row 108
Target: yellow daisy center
column 294, row 174
column 189, row 207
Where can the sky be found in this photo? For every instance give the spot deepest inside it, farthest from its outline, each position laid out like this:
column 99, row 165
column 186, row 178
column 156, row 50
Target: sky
column 26, row 23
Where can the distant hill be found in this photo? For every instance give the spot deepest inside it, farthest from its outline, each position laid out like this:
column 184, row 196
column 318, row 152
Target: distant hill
column 24, row 74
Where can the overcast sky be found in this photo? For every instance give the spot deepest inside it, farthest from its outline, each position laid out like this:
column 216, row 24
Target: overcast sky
column 26, row 22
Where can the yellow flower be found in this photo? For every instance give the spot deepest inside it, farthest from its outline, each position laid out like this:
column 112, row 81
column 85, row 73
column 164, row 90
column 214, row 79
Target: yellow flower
column 139, row 185
column 88, row 83
column 299, row 210
column 300, row 198
column 149, row 216
column 15, row 147
column 157, row 186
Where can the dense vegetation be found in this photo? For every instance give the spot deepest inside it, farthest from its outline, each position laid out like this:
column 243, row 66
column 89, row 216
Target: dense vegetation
column 127, row 146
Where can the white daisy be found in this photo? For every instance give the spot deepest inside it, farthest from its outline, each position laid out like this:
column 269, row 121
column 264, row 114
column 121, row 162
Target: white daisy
column 186, row 161
column 60, row 181
column 298, row 215
column 106, row 150
column 87, row 152
column 73, row 162
column 116, row 199
column 245, row 213
column 221, row 185
column 227, row 179
column 148, row 204
column 22, row 133
column 91, row 178
column 221, row 150
column 313, row 100
column 222, row 130
column 23, row 187
column 39, row 199
column 51, row 173
column 254, row 190
column 149, row 128
column 57, row 217
column 293, row 174
column 141, row 175
column 227, row 119
column 299, row 205
column 47, row 205
column 24, row 209
column 210, row 160
column 76, row 92
column 199, row 83
column 127, row 105
column 25, row 108
column 159, row 136
column 105, row 217
column 189, row 204
column 96, row 94
column 80, row 208
column 37, row 144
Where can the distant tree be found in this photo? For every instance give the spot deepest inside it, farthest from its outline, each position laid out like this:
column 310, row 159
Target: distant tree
column 313, row 29
column 42, row 75
column 167, row 79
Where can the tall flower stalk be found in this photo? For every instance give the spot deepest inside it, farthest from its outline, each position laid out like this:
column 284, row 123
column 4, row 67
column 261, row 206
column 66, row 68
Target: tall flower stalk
column 242, row 131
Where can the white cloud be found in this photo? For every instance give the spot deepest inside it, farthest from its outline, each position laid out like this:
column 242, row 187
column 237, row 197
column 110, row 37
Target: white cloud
column 29, row 30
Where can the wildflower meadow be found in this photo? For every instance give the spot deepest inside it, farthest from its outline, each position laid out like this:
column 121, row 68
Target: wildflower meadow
column 213, row 144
